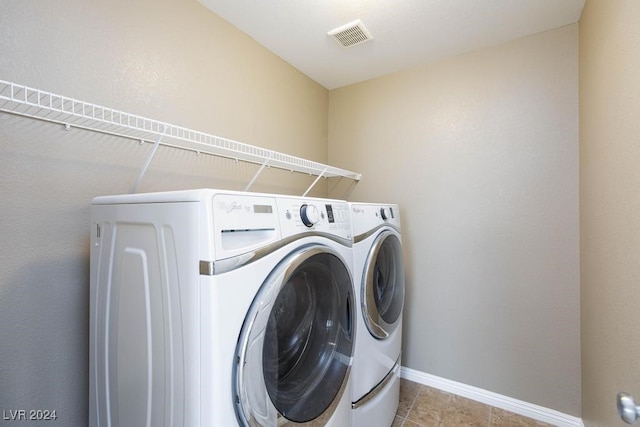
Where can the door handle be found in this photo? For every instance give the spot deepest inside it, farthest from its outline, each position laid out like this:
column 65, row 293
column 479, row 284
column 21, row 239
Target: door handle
column 627, row 408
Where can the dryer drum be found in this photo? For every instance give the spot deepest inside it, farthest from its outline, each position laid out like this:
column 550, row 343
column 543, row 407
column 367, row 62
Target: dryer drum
column 300, row 340
column 386, row 286
column 383, row 285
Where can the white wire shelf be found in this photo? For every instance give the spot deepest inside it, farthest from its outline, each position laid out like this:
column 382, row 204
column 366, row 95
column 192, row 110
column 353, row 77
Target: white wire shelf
column 38, row 104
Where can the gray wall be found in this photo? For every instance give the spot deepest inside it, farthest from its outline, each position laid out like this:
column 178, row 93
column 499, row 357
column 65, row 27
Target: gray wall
column 609, row 206
column 171, row 60
column 481, row 153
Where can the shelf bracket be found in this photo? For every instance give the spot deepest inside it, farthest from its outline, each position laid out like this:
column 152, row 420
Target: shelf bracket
column 149, row 158
column 315, row 182
column 257, row 174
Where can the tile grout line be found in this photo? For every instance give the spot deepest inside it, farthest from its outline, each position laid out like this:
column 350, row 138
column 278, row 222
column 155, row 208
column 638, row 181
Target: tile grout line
column 404, row 420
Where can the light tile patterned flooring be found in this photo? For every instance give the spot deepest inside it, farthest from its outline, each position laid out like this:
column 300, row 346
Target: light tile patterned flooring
column 422, row 406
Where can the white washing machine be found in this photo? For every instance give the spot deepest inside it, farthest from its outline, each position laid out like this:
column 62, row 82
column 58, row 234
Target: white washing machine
column 217, row 308
column 379, row 279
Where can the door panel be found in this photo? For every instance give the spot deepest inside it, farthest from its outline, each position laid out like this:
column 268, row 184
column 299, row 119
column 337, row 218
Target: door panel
column 383, row 285
column 294, row 353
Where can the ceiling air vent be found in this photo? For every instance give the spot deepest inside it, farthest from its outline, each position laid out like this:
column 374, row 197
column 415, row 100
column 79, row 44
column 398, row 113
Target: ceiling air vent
column 351, row 34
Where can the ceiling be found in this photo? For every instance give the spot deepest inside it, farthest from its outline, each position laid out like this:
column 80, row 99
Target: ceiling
column 406, row 33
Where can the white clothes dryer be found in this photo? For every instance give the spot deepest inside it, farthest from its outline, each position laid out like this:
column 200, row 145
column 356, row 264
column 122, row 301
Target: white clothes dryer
column 379, row 279
column 218, row 308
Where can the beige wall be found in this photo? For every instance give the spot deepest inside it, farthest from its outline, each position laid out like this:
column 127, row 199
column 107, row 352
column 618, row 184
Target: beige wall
column 171, row 60
column 479, row 150
column 609, row 205
column 481, row 153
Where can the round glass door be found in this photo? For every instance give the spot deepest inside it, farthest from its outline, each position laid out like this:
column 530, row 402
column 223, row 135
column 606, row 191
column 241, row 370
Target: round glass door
column 383, row 285
column 294, row 355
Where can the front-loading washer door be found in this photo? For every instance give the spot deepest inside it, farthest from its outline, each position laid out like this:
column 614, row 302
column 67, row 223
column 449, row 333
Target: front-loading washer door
column 382, row 290
column 295, row 351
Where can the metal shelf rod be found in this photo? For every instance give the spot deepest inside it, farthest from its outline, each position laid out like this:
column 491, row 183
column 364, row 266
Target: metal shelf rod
column 147, row 162
column 258, row 172
column 314, row 183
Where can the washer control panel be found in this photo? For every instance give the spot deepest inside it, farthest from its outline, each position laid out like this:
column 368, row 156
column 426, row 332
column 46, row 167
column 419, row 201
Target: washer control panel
column 300, row 215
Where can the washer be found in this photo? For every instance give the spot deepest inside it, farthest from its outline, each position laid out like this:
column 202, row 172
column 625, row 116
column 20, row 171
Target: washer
column 219, row 308
column 379, row 278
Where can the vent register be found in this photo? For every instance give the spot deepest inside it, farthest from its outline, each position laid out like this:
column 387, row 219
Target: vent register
column 351, row 34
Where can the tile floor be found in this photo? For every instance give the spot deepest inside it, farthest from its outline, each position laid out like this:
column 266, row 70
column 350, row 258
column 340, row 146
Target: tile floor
column 422, row 406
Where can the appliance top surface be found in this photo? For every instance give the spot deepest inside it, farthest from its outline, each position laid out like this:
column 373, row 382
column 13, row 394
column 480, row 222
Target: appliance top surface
column 194, row 195
column 371, row 204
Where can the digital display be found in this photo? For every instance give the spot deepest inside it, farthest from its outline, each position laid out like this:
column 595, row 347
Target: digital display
column 330, row 213
column 262, row 209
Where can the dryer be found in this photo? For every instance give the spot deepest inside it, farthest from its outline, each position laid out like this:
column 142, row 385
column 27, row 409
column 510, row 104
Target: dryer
column 219, row 308
column 379, row 279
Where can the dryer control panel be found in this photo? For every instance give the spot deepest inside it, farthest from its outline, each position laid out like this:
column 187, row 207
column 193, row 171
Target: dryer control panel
column 368, row 216
column 299, row 215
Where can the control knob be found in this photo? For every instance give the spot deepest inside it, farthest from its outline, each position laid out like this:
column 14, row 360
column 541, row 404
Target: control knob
column 383, row 214
column 309, row 215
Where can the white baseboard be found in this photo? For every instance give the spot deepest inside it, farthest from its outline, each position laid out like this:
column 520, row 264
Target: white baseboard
column 526, row 409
